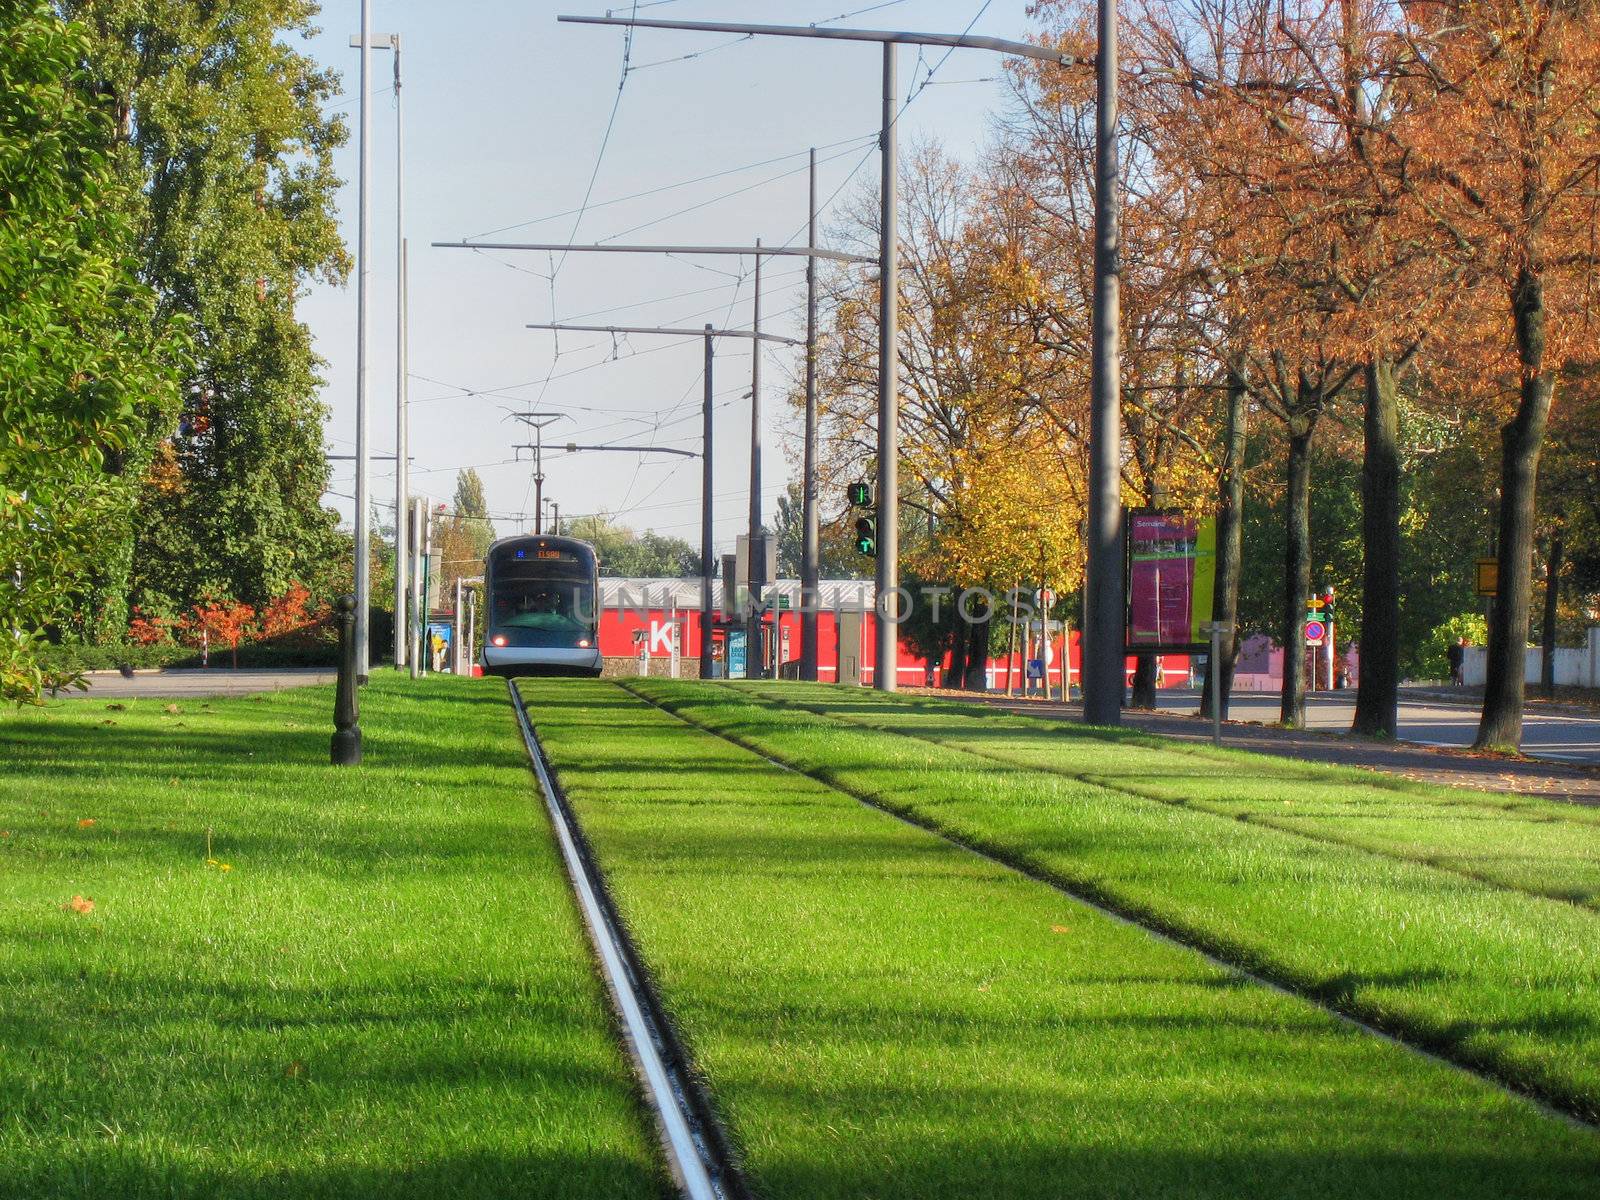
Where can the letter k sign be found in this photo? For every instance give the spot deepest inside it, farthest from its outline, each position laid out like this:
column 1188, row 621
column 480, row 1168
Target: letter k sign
column 660, row 637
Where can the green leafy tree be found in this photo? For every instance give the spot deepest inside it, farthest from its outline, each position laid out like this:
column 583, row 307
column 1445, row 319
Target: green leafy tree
column 222, row 131
column 837, row 557
column 83, row 366
column 630, row 555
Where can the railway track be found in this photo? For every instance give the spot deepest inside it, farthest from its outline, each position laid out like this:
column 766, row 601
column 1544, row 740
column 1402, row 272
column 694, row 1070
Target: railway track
column 1510, row 1087
column 696, row 1149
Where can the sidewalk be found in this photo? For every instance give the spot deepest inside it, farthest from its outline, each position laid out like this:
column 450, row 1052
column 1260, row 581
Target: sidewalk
column 211, row 681
column 1456, row 768
column 1573, row 702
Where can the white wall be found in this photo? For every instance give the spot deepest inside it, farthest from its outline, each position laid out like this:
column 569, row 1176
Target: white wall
column 1579, row 667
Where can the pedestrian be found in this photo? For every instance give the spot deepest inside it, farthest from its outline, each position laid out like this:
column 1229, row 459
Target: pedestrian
column 1458, row 663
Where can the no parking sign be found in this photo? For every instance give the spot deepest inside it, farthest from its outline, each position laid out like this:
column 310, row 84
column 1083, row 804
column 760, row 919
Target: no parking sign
column 1315, row 632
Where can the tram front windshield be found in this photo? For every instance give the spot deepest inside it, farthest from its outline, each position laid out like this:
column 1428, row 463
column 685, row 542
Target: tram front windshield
column 543, row 603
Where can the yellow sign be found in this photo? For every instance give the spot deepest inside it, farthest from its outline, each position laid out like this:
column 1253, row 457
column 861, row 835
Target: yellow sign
column 1488, row 576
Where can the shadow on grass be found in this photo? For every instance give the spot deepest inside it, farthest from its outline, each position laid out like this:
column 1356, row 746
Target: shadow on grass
column 134, row 1172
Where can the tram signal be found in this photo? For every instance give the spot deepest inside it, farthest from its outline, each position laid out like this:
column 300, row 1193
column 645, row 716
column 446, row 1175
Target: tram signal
column 860, row 495
column 866, row 535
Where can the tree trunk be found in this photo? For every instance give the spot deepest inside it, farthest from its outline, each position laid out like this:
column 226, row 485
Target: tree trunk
column 978, row 653
column 1296, row 574
column 1552, row 598
column 1378, row 692
column 956, row 677
column 1500, row 726
column 1144, row 682
column 1230, row 545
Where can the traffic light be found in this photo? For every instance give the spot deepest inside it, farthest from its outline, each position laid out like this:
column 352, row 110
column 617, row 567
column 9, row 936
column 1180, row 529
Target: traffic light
column 860, row 495
column 866, row 535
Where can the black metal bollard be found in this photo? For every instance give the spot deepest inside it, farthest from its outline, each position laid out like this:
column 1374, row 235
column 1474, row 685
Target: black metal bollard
column 346, row 714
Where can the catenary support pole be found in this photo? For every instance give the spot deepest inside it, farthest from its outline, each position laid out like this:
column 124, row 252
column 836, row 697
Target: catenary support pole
column 809, row 536
column 707, row 566
column 402, row 365
column 363, row 522
column 754, row 653
column 1103, row 652
column 402, row 470
column 538, row 479
column 885, row 675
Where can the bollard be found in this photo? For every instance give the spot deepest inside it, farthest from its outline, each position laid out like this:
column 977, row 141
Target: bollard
column 347, row 732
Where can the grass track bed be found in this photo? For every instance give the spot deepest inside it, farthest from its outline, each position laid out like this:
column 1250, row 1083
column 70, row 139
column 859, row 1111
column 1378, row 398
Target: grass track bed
column 387, row 994
column 881, row 1013
column 1538, row 846
column 1504, row 981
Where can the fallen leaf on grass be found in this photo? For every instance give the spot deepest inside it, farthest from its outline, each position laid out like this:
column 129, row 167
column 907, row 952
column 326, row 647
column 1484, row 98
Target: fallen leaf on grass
column 78, row 904
column 116, row 708
column 1059, row 929
column 85, row 822
column 171, row 708
column 108, row 721
column 219, row 865
column 295, row 1070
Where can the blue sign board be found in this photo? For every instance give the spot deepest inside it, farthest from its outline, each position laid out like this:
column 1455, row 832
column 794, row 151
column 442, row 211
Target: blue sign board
column 1036, row 668
column 736, row 640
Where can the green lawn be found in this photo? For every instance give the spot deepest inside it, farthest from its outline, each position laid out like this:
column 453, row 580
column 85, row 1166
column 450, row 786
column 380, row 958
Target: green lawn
column 376, row 987
column 881, row 1013
column 1487, row 974
column 1543, row 847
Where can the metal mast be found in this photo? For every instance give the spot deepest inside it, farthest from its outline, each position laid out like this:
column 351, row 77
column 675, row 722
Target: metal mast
column 808, row 475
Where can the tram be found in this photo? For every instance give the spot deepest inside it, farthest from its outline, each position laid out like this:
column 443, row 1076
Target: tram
column 542, row 607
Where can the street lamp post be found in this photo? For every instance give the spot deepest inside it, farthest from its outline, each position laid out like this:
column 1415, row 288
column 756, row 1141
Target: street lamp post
column 363, row 522
column 366, row 42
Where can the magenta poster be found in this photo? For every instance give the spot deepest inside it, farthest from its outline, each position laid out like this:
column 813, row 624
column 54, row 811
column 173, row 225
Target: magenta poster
column 1161, row 578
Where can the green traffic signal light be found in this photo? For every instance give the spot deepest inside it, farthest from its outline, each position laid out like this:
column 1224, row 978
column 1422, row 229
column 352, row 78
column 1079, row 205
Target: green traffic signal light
column 860, row 495
column 866, row 535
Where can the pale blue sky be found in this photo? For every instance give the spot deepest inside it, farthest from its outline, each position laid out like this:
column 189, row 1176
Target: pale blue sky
column 504, row 111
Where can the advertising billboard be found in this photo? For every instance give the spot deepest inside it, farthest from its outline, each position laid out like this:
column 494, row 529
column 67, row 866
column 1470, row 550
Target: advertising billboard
column 1172, row 569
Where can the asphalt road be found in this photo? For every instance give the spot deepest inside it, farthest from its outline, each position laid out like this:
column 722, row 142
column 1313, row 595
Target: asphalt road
column 1559, row 737
column 178, row 685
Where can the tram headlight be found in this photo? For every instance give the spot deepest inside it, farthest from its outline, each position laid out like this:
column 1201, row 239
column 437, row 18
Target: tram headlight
column 583, row 643
column 499, row 639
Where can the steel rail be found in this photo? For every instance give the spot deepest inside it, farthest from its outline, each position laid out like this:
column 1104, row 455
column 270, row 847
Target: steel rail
column 696, row 1152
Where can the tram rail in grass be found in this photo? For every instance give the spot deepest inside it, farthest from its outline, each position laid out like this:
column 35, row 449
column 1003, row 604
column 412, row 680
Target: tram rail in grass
column 878, row 1011
column 1532, row 844
column 376, row 987
column 1488, row 976
column 695, row 1146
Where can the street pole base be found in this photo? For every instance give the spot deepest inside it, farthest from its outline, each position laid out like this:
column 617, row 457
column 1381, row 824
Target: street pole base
column 346, row 749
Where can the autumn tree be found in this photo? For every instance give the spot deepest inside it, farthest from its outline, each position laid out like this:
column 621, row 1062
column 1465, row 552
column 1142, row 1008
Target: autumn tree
column 975, row 385
column 464, row 533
